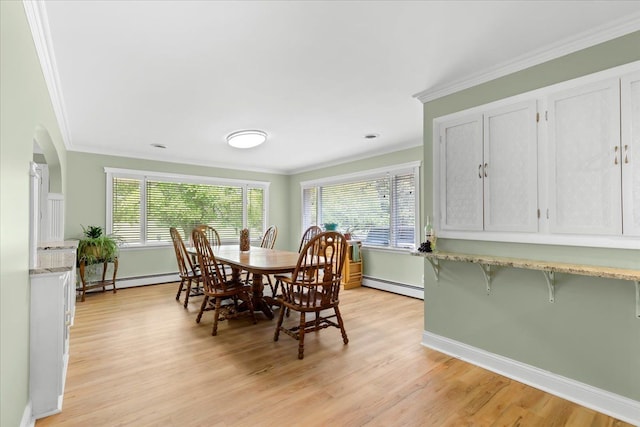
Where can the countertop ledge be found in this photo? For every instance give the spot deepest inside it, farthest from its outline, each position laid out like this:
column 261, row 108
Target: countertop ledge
column 559, row 267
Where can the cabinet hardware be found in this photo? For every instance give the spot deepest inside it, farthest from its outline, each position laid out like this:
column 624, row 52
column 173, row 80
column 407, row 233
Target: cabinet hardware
column 486, row 166
column 480, row 171
column 615, row 151
column 538, row 213
column 626, row 153
column 547, row 213
column 537, row 117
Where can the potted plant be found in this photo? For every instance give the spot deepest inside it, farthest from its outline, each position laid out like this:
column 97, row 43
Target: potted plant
column 96, row 247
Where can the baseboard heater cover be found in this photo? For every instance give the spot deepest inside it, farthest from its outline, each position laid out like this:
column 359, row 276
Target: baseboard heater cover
column 608, row 403
column 395, row 287
column 132, row 282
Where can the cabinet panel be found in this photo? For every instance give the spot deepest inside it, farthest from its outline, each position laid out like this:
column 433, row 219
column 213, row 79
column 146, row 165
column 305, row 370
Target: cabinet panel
column 584, row 159
column 510, row 168
column 461, row 174
column 630, row 152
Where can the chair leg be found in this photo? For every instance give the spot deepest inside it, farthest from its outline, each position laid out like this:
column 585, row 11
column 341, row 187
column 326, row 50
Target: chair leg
column 216, row 315
column 341, row 324
column 301, row 336
column 186, row 297
column 276, row 334
column 180, row 289
column 202, row 307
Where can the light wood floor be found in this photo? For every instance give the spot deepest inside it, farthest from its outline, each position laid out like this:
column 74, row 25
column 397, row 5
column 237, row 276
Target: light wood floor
column 139, row 359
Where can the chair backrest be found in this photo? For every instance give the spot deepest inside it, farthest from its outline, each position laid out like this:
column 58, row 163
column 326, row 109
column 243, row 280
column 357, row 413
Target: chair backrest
column 319, row 266
column 212, row 234
column 185, row 266
column 308, row 234
column 209, row 267
column 269, row 238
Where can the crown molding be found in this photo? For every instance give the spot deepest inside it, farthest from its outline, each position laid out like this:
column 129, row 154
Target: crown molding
column 563, row 47
column 38, row 22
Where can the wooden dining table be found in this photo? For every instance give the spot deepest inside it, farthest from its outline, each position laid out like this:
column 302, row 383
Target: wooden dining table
column 257, row 261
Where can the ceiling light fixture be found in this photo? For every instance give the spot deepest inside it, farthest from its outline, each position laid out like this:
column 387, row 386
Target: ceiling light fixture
column 246, row 138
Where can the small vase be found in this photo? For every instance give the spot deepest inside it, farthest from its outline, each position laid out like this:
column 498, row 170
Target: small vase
column 245, row 244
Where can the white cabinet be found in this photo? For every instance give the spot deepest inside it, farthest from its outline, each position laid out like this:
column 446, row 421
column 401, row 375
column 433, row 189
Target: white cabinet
column 510, row 168
column 488, row 170
column 461, row 173
column 630, row 153
column 52, row 311
column 584, row 159
column 558, row 165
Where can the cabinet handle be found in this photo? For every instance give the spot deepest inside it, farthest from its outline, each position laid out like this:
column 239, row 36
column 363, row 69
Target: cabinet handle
column 480, row 171
column 626, row 153
column 615, row 157
column 486, row 166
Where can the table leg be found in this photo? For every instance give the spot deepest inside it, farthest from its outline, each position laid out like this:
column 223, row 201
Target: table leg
column 258, row 298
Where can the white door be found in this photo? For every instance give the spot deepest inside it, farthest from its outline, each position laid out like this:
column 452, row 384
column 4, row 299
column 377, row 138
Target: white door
column 511, row 168
column 461, row 174
column 584, row 159
column 630, row 154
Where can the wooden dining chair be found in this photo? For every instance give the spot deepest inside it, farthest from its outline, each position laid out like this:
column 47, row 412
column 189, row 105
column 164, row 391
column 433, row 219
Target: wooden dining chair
column 268, row 241
column 214, row 286
column 308, row 234
column 314, row 286
column 186, row 269
column 214, row 240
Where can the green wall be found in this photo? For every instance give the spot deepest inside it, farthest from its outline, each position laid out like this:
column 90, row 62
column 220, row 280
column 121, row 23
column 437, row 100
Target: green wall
column 86, row 204
column 395, row 266
column 590, row 332
column 26, row 114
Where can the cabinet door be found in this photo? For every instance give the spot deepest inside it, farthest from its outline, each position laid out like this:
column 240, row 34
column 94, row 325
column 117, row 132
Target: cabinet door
column 511, row 168
column 584, row 159
column 461, row 174
column 630, row 154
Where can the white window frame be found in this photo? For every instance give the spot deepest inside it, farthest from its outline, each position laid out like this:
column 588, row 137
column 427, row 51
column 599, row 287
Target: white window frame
column 410, row 167
column 145, row 176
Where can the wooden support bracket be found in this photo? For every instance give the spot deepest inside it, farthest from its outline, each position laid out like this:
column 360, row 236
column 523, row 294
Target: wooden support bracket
column 435, row 264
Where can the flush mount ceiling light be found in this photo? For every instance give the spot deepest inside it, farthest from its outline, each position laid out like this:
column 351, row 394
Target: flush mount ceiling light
column 246, row 138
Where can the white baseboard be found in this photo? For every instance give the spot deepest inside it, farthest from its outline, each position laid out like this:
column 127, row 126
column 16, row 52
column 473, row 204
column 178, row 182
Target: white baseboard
column 142, row 281
column 27, row 417
column 395, row 287
column 583, row 394
column 147, row 280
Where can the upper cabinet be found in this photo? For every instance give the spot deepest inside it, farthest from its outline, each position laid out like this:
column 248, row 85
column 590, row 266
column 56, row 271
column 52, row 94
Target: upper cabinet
column 488, row 170
column 461, row 173
column 630, row 153
column 555, row 165
column 584, row 159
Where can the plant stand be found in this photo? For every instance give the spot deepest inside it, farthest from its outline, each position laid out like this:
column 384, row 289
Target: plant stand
column 86, row 284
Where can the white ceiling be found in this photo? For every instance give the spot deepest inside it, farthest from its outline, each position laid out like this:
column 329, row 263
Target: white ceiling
column 315, row 75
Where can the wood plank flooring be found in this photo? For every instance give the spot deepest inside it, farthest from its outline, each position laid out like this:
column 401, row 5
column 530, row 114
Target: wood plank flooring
column 138, row 358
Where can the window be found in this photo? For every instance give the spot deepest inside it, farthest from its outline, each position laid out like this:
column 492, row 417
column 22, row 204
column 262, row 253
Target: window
column 142, row 206
column 378, row 207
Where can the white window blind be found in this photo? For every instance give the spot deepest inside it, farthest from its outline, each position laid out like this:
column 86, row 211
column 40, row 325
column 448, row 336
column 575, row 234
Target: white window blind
column 141, row 208
column 378, row 207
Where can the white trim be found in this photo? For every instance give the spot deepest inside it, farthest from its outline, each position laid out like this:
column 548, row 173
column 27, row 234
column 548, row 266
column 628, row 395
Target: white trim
column 36, row 12
column 569, row 45
column 395, row 287
column 134, row 282
column 27, row 416
column 182, row 178
column 369, row 173
column 583, row 394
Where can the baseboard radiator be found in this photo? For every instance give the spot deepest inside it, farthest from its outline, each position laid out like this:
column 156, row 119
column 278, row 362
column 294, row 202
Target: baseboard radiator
column 395, row 287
